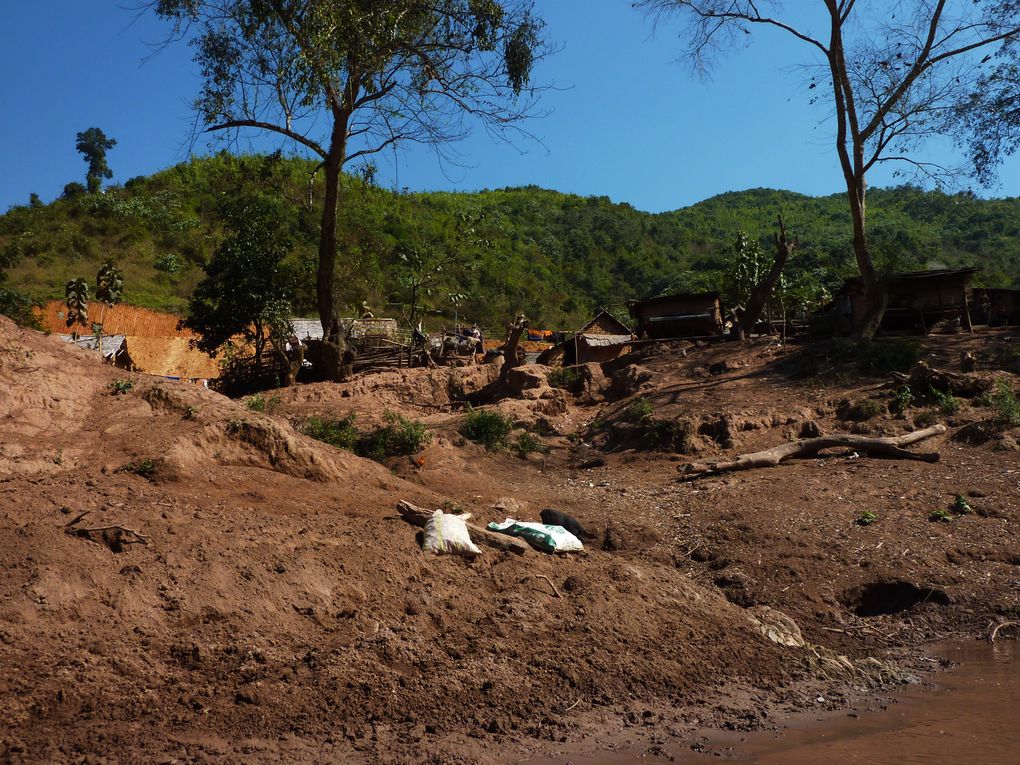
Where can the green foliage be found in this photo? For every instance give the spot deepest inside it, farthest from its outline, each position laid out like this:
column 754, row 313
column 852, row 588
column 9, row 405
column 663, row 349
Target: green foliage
column 76, row 298
column 866, row 518
column 862, row 410
column 248, row 288
column 1004, row 403
column 639, row 410
column 940, row 515
column 672, row 435
column 564, row 377
column 146, row 468
column 168, row 263
column 960, row 505
column 109, row 284
column 119, row 387
column 93, row 144
column 880, row 357
column 527, row 443
column 902, row 400
column 945, row 403
column 257, row 402
column 488, row 428
column 399, row 436
column 339, row 433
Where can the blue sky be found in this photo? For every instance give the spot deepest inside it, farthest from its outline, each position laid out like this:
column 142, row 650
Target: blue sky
column 628, row 119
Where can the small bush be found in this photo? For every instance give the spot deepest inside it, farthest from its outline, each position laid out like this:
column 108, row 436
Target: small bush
column 926, row 419
column 960, row 505
column 640, row 410
column 257, row 402
column 146, row 468
column 527, row 443
column 866, row 518
column 564, row 377
column 338, row 433
column 120, row 387
column 404, row 436
column 902, row 399
column 1006, row 408
column 859, row 411
column 943, row 516
column 674, row 435
column 880, row 357
column 489, row 428
column 945, row 403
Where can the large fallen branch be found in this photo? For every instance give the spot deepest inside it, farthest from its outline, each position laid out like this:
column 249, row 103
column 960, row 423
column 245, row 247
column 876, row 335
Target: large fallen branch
column 419, row 516
column 810, row 447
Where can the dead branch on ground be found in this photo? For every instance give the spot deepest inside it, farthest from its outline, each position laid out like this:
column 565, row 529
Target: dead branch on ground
column 114, row 537
column 810, row 447
column 550, row 581
column 999, row 626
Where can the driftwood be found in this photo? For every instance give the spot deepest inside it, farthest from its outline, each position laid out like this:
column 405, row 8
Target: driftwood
column 810, row 447
column 419, row 516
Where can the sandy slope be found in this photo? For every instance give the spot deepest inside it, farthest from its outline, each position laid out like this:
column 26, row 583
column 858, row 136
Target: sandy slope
column 282, row 612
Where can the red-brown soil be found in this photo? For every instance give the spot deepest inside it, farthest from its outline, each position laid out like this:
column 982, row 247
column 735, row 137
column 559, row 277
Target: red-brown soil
column 281, row 611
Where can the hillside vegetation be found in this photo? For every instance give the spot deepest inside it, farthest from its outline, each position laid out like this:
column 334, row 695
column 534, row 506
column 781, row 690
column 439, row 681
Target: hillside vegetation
column 554, row 256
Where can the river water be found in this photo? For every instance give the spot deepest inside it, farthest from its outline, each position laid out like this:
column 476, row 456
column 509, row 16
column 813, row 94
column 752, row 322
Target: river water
column 971, row 717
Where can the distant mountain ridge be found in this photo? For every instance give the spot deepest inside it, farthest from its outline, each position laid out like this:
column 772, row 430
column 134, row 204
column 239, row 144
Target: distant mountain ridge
column 555, row 256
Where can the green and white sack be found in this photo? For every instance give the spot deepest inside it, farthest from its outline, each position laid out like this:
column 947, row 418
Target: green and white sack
column 541, row 536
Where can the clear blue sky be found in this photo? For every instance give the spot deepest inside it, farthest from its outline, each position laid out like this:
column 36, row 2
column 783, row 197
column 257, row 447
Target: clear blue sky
column 629, row 122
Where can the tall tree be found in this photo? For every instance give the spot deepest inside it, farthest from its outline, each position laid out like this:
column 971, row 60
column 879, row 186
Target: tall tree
column 897, row 74
column 247, row 290
column 93, row 145
column 345, row 79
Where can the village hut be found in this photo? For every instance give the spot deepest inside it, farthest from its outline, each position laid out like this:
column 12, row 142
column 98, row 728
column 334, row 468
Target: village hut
column 996, row 307
column 120, row 319
column 917, row 300
column 111, row 346
column 676, row 316
column 602, row 339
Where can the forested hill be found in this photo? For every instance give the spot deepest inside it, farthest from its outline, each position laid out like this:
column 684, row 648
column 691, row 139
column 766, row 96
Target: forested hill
column 553, row 256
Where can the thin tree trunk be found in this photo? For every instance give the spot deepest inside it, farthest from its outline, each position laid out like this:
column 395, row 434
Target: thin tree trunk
column 333, row 342
column 763, row 290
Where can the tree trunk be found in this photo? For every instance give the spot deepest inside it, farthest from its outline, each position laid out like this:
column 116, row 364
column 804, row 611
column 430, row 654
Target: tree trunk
column 763, row 290
column 876, row 292
column 510, row 346
column 289, row 366
column 333, row 340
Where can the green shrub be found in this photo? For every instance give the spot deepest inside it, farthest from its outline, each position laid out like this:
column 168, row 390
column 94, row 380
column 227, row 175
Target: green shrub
column 926, row 419
column 943, row 516
column 489, row 428
column 880, row 357
column 257, row 402
column 640, row 410
column 339, row 433
column 1004, row 403
column 674, row 435
column 862, row 410
column 946, row 403
column 120, row 387
column 146, row 468
column 404, row 436
column 960, row 505
column 527, row 443
column 564, row 377
column 902, row 399
column 866, row 518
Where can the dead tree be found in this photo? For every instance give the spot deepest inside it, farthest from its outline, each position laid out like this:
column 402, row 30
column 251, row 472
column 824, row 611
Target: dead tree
column 513, row 341
column 763, row 290
column 810, row 447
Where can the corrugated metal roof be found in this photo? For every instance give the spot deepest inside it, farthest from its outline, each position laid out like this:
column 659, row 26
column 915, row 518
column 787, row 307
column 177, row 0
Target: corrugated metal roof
column 111, row 343
column 601, row 341
column 307, row 329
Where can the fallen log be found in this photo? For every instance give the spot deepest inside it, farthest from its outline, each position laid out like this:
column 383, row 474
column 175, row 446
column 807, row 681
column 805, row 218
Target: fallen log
column 419, row 516
column 810, row 447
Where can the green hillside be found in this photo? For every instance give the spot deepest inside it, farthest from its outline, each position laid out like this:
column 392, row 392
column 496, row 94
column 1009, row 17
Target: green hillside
column 554, row 256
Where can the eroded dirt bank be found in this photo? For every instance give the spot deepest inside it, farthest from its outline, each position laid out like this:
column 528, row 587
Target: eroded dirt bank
column 281, row 611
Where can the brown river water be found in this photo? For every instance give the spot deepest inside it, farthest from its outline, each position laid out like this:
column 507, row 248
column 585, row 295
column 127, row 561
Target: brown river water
column 971, row 716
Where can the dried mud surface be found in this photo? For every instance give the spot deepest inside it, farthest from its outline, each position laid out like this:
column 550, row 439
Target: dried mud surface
column 280, row 611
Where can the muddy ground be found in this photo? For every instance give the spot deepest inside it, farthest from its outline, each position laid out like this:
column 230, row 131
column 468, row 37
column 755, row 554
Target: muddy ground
column 239, row 592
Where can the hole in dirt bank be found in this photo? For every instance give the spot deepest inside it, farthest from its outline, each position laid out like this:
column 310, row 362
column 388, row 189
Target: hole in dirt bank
column 879, row 598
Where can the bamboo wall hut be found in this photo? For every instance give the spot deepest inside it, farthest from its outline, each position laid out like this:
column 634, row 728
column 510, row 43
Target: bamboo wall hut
column 917, row 300
column 675, row 316
column 120, row 319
